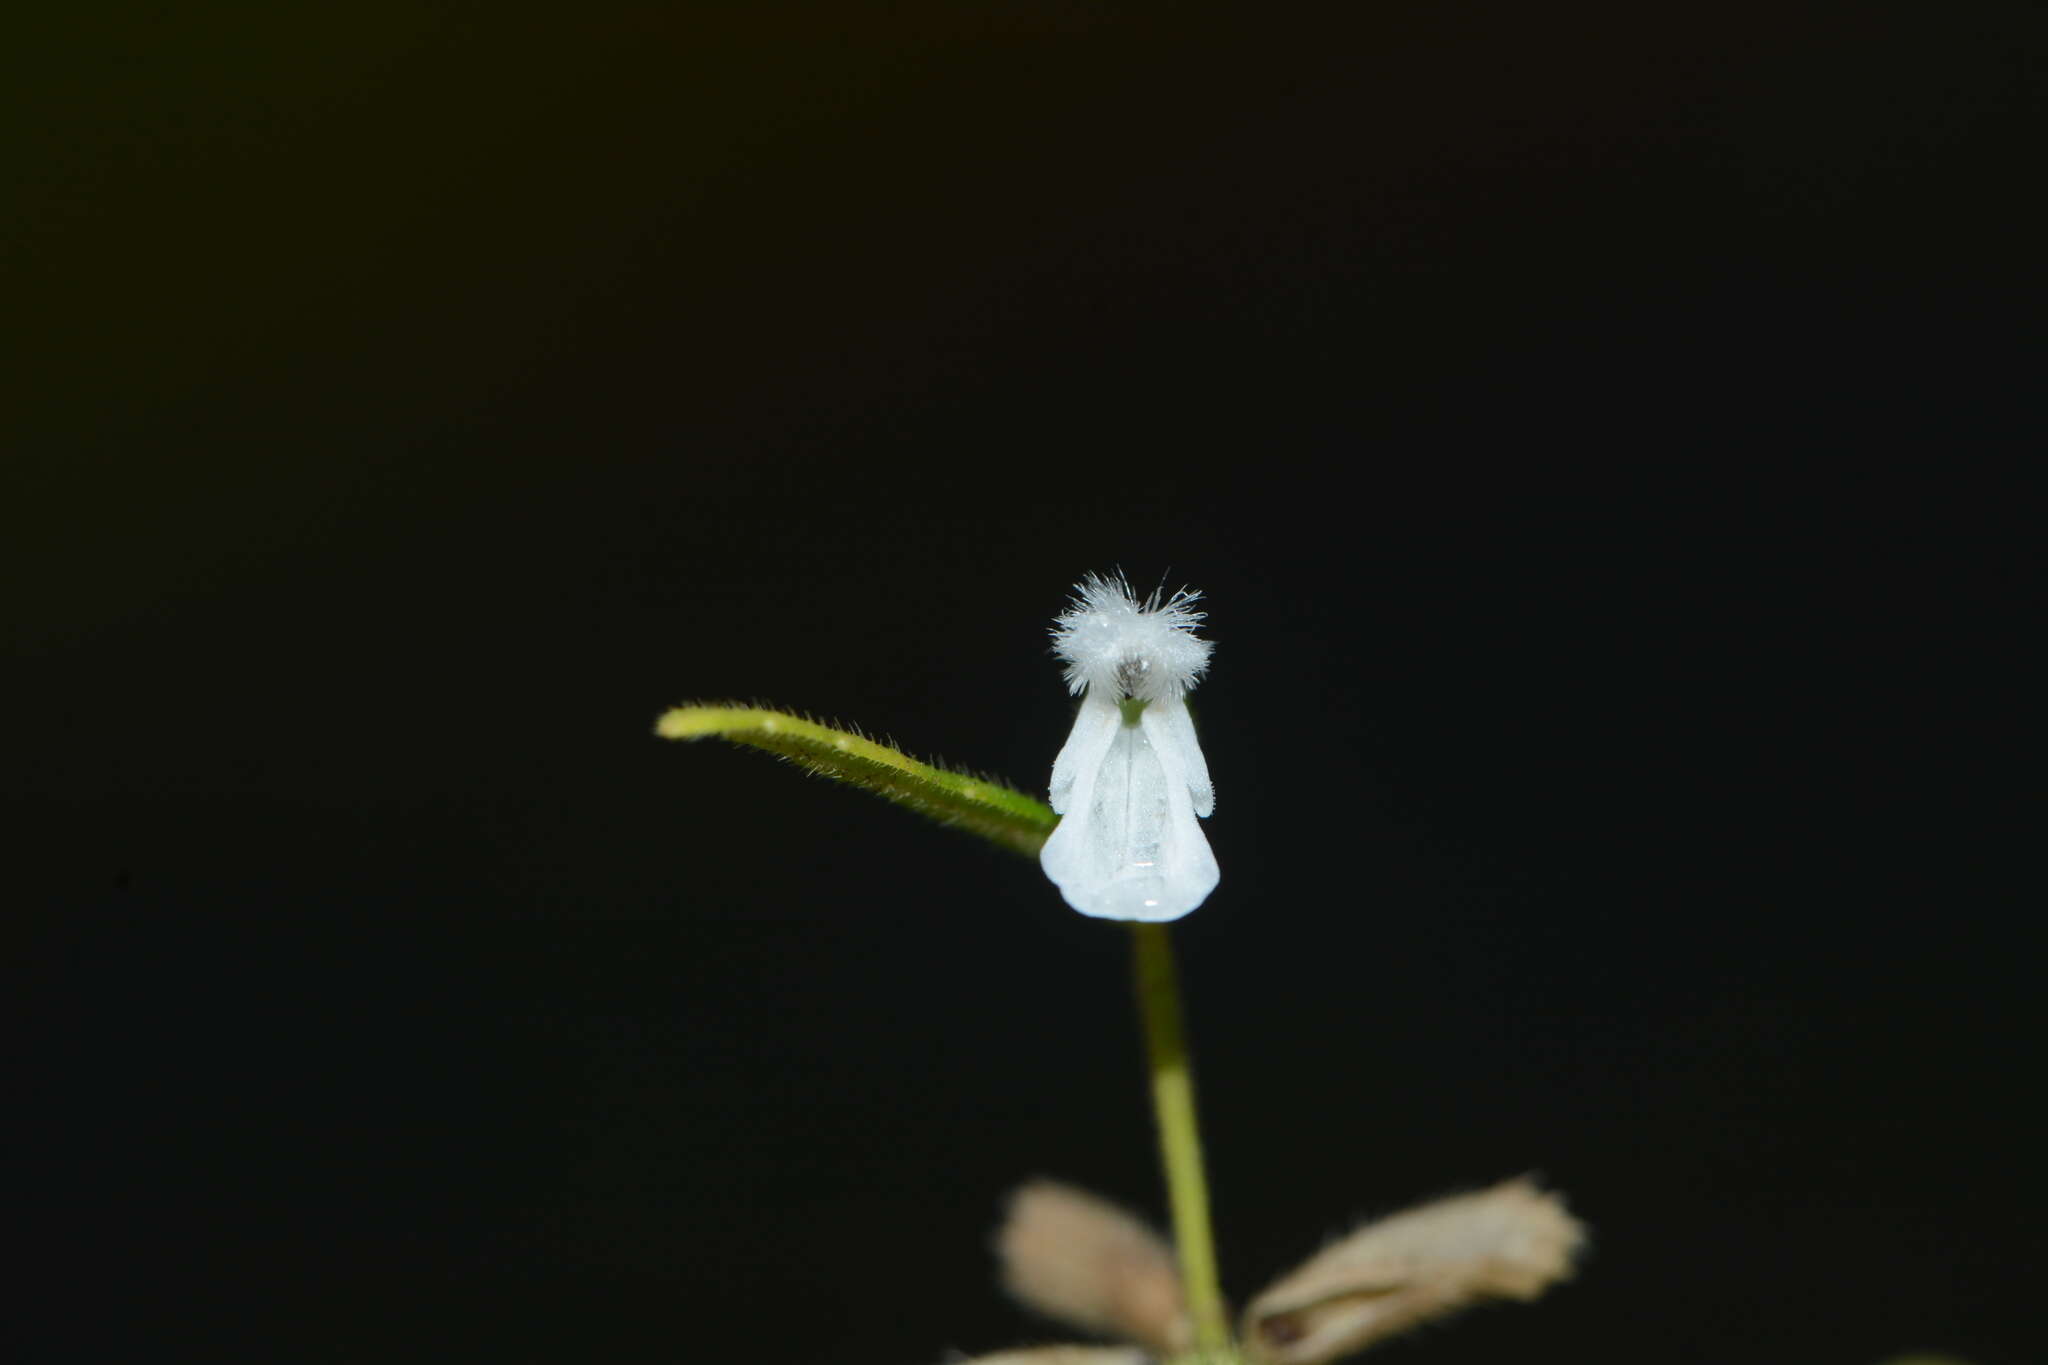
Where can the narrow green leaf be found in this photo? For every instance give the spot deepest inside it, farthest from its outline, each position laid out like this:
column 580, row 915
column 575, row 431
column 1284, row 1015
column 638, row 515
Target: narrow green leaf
column 994, row 810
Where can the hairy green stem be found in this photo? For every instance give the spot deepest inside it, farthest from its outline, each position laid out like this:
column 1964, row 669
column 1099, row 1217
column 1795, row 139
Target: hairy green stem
column 1180, row 1140
column 980, row 805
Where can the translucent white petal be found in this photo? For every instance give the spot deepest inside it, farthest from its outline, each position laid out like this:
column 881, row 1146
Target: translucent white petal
column 1095, row 726
column 1172, row 732
column 1129, row 846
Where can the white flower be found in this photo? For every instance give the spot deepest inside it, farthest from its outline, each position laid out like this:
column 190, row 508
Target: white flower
column 1131, row 779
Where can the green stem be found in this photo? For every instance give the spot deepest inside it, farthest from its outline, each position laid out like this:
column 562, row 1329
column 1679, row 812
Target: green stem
column 1180, row 1141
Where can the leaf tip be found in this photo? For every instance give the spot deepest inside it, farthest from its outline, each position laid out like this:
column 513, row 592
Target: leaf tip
column 694, row 722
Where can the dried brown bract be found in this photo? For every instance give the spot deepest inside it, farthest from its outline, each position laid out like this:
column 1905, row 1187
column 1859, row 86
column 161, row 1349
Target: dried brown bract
column 1092, row 1265
column 1511, row 1241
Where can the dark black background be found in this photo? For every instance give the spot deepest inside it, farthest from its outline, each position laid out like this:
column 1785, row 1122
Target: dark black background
column 1583, row 420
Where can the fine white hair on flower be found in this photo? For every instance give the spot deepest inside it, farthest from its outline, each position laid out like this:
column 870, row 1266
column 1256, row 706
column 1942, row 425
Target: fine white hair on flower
column 1143, row 651
column 1131, row 780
